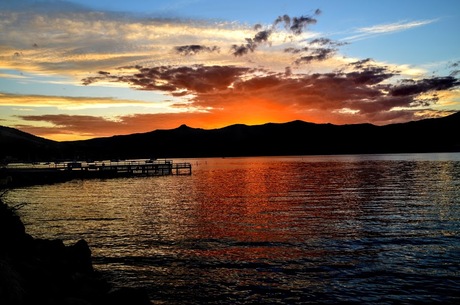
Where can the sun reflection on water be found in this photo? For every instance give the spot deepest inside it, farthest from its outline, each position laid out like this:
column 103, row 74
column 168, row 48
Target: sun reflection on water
column 268, row 229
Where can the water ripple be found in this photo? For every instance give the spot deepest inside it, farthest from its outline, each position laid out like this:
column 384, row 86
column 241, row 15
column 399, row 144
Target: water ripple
column 304, row 230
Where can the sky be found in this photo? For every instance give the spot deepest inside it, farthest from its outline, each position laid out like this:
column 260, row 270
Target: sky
column 74, row 70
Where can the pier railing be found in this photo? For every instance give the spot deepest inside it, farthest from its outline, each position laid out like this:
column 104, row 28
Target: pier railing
column 63, row 171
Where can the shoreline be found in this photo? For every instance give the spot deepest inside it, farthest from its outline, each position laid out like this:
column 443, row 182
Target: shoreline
column 41, row 271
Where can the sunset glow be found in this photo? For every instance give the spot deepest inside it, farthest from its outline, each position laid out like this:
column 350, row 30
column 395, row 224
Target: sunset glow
column 73, row 70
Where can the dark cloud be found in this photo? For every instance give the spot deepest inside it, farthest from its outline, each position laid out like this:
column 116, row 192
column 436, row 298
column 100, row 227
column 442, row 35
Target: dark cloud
column 319, row 54
column 283, row 19
column 300, row 23
column 321, row 41
column 251, row 43
column 371, row 75
column 366, row 90
column 240, row 50
column 262, row 36
column 296, row 25
column 178, row 81
column 455, row 66
column 409, row 87
column 327, row 42
column 295, row 50
column 360, row 64
column 327, row 48
column 195, row 49
column 361, row 90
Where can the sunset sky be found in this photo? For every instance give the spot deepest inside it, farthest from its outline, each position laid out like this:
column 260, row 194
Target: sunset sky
column 81, row 69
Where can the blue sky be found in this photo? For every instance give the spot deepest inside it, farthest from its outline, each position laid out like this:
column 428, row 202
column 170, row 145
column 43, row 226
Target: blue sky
column 339, row 20
column 83, row 69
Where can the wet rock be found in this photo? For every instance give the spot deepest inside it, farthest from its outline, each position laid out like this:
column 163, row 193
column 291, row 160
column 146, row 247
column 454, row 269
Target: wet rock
column 41, row 271
column 80, row 257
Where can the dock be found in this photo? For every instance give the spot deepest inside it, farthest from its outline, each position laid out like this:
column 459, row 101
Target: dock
column 38, row 173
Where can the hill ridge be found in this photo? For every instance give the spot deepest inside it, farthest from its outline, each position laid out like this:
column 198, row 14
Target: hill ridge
column 291, row 138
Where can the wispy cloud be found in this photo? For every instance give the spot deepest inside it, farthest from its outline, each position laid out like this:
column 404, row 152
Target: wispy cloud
column 73, row 103
column 14, row 76
column 211, row 74
column 380, row 29
column 75, row 43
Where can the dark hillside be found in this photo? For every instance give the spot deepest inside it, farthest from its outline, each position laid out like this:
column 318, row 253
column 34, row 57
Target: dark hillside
column 18, row 145
column 292, row 138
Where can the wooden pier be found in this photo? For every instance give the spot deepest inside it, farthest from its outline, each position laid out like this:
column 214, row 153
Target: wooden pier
column 39, row 173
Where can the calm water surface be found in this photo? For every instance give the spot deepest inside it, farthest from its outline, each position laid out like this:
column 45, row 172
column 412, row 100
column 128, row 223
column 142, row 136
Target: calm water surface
column 372, row 229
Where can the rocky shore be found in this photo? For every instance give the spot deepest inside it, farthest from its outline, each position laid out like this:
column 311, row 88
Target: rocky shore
column 47, row 272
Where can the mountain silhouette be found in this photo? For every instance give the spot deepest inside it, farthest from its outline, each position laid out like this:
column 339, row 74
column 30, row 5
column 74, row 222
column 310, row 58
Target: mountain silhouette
column 19, row 145
column 292, row 138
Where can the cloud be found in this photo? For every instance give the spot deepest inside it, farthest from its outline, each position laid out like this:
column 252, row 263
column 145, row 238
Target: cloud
column 413, row 87
column 319, row 54
column 72, row 41
column 177, row 80
column 371, row 31
column 283, row 19
column 365, row 90
column 251, row 43
column 84, row 126
column 318, row 49
column 195, row 49
column 455, row 68
column 67, row 102
column 394, row 27
column 70, row 127
column 290, row 72
column 295, row 25
column 75, row 42
column 299, row 23
column 360, row 64
column 223, row 95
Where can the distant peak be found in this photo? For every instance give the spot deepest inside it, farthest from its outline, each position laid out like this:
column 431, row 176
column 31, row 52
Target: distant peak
column 184, row 127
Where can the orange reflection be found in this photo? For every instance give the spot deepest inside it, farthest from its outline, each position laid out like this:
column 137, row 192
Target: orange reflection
column 267, row 209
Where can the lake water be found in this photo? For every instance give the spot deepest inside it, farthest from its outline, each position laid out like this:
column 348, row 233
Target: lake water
column 370, row 229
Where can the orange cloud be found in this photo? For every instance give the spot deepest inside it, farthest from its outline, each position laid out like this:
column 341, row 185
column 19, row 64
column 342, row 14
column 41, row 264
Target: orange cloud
column 366, row 90
column 211, row 71
column 224, row 95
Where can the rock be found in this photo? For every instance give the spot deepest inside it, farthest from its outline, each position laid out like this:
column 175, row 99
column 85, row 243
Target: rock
column 128, row 296
column 80, row 257
column 11, row 290
column 46, row 272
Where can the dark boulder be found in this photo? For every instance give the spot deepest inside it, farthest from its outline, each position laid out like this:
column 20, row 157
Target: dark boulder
column 42, row 271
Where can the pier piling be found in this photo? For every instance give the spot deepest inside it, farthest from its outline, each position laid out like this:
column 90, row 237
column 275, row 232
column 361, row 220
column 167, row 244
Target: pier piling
column 39, row 173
